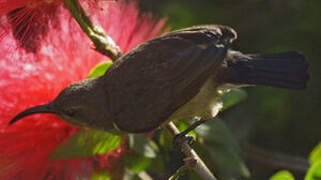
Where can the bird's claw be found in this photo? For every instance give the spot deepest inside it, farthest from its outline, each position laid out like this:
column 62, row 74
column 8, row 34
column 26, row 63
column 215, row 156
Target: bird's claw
column 179, row 139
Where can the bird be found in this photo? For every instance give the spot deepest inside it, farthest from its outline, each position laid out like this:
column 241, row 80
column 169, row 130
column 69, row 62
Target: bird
column 174, row 76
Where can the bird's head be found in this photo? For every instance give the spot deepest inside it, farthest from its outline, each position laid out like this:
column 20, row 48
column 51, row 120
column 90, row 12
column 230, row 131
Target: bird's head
column 82, row 103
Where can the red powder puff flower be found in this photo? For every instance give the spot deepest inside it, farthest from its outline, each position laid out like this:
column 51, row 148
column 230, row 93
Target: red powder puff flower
column 28, row 79
column 30, row 19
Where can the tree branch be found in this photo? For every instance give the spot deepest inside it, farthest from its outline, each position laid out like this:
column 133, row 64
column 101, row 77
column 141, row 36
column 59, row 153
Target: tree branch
column 103, row 43
column 199, row 166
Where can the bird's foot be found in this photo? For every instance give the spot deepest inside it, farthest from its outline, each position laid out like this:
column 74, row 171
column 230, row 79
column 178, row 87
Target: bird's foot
column 183, row 137
column 179, row 139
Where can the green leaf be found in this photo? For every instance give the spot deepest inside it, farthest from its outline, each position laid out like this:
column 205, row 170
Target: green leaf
column 142, row 145
column 137, row 163
column 221, row 147
column 314, row 172
column 143, row 154
column 182, row 126
column 99, row 69
column 87, row 143
column 282, row 175
column 166, row 139
column 232, row 97
column 101, row 175
column 315, row 155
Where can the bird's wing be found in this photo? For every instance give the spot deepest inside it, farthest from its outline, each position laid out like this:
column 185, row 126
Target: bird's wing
column 151, row 82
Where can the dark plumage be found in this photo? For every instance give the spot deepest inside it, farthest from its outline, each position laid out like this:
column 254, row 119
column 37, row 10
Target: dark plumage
column 174, row 76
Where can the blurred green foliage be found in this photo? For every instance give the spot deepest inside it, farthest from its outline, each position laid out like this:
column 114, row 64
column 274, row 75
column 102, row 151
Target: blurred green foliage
column 221, row 151
column 315, row 155
column 87, row 143
column 314, row 172
column 282, row 175
column 274, row 119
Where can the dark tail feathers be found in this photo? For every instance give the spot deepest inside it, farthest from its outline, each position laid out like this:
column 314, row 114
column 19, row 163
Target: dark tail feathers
column 284, row 70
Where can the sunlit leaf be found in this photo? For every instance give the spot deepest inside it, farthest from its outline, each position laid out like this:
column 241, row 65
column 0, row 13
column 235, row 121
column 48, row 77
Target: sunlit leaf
column 99, row 69
column 222, row 149
column 314, row 172
column 282, row 175
column 87, row 143
column 182, row 126
column 101, row 175
column 315, row 155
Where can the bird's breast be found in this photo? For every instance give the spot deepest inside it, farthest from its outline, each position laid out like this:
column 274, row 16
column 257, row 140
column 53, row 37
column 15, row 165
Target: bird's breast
column 200, row 105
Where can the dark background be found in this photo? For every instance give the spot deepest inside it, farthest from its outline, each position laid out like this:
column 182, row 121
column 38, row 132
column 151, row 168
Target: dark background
column 275, row 120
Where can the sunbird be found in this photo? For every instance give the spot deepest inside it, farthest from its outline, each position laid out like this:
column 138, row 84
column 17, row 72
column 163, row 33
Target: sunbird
column 174, row 76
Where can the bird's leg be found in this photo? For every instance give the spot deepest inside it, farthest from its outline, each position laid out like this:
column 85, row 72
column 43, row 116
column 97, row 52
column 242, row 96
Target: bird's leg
column 182, row 135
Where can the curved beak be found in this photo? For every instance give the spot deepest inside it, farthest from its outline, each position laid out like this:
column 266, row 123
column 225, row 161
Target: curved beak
column 46, row 108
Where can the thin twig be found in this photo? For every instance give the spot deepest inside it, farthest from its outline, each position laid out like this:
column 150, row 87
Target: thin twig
column 103, row 43
column 144, row 176
column 199, row 166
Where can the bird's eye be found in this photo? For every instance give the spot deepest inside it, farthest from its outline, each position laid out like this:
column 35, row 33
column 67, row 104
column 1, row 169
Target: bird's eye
column 70, row 112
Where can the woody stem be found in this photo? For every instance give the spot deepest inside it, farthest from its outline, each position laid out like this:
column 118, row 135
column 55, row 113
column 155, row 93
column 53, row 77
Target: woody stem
column 198, row 166
column 103, row 43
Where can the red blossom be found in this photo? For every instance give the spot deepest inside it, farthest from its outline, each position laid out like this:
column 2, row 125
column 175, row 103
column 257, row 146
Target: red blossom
column 9, row 5
column 29, row 79
column 30, row 19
